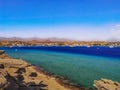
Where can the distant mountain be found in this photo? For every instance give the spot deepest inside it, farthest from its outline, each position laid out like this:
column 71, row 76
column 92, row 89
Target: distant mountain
column 12, row 39
column 34, row 38
column 113, row 40
column 53, row 39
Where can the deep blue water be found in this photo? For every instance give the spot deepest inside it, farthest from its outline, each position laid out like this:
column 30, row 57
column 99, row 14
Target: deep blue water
column 98, row 51
column 81, row 65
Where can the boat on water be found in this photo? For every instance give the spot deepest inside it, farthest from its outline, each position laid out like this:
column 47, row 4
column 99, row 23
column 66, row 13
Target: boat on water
column 111, row 46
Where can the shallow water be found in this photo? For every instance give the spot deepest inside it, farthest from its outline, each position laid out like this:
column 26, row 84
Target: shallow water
column 81, row 68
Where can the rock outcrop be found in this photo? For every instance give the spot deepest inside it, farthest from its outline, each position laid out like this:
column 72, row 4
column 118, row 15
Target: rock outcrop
column 3, row 80
column 105, row 84
column 18, row 75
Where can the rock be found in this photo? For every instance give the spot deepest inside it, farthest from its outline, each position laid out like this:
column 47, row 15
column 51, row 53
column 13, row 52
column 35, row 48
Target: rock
column 105, row 84
column 17, row 75
column 2, row 52
column 20, row 77
column 3, row 80
column 3, row 55
column 14, row 63
column 31, row 84
column 33, row 74
column 1, row 66
column 21, row 70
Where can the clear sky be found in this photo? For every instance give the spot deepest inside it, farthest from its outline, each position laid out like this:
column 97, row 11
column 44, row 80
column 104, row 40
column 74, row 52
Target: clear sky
column 72, row 19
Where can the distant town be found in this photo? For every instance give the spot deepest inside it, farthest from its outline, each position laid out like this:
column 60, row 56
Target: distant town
column 71, row 43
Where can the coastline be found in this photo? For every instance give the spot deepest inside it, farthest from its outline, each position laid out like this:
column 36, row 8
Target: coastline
column 59, row 79
column 17, row 74
column 20, row 74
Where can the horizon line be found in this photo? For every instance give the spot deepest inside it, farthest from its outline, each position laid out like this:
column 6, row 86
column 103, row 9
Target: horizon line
column 52, row 39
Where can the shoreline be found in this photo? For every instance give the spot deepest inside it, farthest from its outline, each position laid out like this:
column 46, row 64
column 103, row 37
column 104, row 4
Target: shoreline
column 20, row 72
column 60, row 46
column 61, row 80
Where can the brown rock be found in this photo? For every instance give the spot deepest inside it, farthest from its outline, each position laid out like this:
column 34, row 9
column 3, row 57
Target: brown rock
column 33, row 74
column 20, row 77
column 3, row 55
column 14, row 63
column 3, row 80
column 21, row 70
column 105, row 84
column 2, row 52
column 1, row 66
column 31, row 84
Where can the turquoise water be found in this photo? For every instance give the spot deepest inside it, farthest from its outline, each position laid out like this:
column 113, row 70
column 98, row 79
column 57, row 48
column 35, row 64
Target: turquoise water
column 80, row 69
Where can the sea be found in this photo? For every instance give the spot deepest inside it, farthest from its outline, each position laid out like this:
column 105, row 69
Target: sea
column 80, row 65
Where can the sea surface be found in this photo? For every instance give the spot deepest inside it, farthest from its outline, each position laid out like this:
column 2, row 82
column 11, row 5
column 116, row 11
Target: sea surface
column 81, row 65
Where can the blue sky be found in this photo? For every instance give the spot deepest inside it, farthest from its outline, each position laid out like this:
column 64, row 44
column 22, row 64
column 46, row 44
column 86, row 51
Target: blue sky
column 73, row 19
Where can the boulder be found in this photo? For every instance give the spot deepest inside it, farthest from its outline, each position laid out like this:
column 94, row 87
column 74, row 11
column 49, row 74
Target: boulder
column 33, row 74
column 2, row 66
column 105, row 84
column 21, row 70
column 2, row 52
column 20, row 77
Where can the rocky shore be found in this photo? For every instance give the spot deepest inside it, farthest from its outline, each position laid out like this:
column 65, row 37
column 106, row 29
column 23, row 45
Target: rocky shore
column 105, row 84
column 16, row 74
